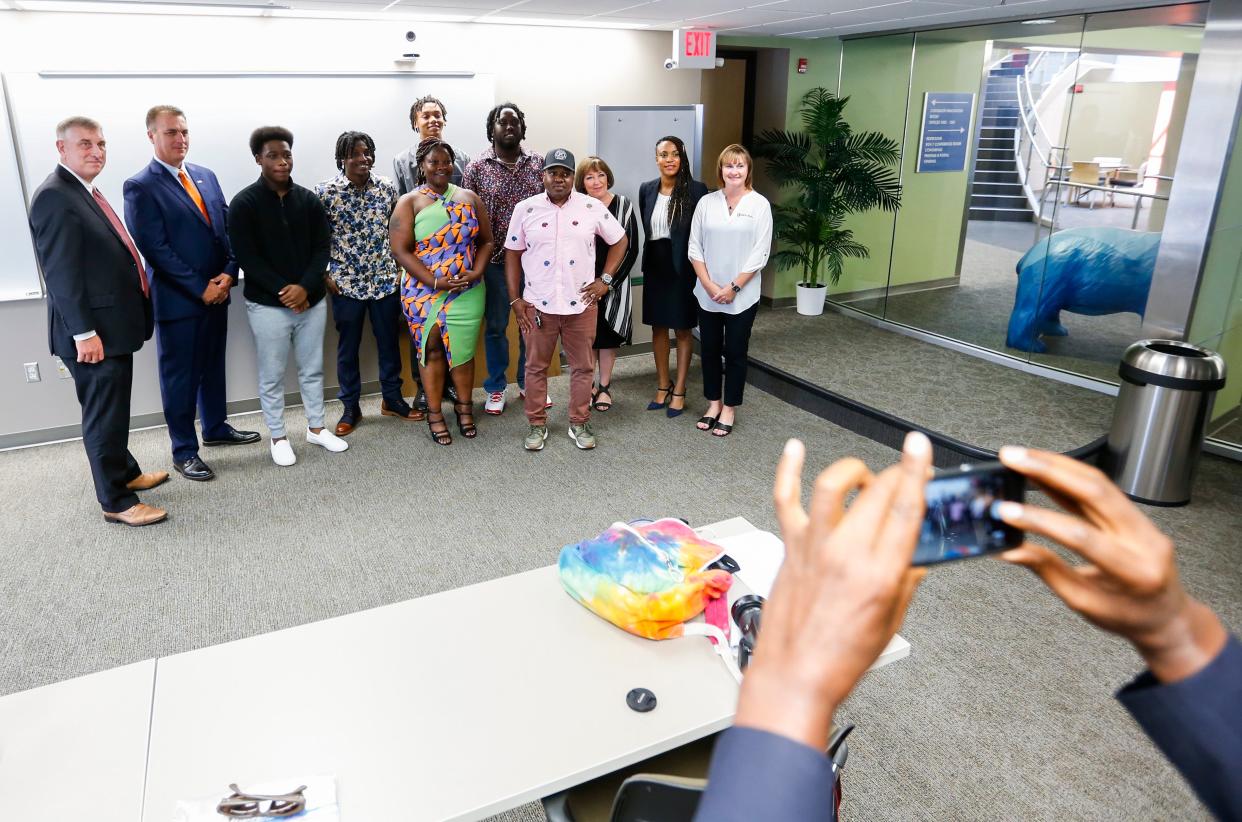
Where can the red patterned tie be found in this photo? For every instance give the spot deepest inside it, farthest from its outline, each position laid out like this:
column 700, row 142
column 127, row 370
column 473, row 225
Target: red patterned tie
column 119, row 228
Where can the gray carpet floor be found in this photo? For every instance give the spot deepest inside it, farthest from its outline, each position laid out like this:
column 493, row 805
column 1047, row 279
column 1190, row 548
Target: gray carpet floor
column 976, row 401
column 1004, row 710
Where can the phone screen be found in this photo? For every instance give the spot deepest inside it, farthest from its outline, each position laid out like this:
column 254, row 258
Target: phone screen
column 961, row 519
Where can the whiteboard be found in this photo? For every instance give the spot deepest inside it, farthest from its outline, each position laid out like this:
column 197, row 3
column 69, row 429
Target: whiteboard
column 19, row 275
column 222, row 108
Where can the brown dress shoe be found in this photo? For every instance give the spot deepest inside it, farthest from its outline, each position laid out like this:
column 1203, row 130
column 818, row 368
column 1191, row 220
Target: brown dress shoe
column 147, row 481
column 348, row 421
column 406, row 413
column 138, row 515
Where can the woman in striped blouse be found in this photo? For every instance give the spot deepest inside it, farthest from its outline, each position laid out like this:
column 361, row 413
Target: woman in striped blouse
column 594, row 178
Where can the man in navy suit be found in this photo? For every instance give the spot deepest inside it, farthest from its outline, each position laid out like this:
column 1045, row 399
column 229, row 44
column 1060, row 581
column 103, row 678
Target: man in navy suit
column 178, row 215
column 845, row 585
column 98, row 313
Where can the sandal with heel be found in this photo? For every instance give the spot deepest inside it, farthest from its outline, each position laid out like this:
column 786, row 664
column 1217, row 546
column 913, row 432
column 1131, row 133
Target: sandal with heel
column 465, row 409
column 672, row 412
column 603, row 389
column 441, row 437
column 656, row 406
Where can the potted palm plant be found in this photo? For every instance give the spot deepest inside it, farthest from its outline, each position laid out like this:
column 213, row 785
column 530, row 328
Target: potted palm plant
column 834, row 172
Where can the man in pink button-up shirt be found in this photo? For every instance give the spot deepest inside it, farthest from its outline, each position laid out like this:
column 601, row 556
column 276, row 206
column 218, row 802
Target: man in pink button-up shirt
column 551, row 243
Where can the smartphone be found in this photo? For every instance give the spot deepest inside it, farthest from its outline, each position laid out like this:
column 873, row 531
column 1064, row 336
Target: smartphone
column 961, row 519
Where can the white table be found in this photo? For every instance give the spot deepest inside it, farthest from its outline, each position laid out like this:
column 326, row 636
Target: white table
column 77, row 749
column 453, row 706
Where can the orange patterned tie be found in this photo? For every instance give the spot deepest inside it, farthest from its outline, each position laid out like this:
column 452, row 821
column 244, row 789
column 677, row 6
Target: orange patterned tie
column 188, row 185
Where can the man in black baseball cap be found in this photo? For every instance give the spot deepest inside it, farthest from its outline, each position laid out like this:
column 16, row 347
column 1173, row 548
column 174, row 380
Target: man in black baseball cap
column 550, row 267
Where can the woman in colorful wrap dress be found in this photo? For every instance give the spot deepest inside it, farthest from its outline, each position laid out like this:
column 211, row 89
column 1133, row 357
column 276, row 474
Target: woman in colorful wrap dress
column 441, row 236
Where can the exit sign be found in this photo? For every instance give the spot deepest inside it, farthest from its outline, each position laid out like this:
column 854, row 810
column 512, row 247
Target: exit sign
column 694, row 49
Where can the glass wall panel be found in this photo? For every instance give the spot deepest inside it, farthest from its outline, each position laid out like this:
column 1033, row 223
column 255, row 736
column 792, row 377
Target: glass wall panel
column 1217, row 321
column 962, row 228
column 1128, row 94
column 876, row 77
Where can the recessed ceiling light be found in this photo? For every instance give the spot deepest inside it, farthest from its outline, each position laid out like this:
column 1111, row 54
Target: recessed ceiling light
column 1037, row 22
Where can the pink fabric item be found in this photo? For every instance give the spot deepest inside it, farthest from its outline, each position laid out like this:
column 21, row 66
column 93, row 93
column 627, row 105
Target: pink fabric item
column 558, row 248
column 717, row 613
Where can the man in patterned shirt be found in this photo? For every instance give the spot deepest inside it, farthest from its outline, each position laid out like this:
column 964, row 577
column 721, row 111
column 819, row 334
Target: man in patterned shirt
column 362, row 277
column 503, row 176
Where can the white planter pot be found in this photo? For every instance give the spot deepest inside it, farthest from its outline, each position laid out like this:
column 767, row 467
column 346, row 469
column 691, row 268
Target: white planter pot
column 811, row 299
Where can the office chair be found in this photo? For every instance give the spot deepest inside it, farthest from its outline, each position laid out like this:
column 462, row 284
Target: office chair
column 1130, row 178
column 1085, row 173
column 645, row 797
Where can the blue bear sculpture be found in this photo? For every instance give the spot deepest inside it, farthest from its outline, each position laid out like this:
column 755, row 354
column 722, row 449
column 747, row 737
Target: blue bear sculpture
column 1088, row 271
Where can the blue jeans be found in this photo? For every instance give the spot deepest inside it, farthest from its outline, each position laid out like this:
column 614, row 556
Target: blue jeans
column 276, row 330
column 495, row 332
column 386, row 324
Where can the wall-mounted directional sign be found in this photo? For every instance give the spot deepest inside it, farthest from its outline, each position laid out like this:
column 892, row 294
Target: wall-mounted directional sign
column 945, row 138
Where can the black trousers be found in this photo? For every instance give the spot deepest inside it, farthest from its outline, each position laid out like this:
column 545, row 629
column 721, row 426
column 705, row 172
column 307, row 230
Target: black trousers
column 727, row 337
column 386, row 324
column 103, row 391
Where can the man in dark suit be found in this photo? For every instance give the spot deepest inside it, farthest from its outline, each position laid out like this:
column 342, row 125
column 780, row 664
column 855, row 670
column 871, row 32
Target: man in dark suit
column 847, row 581
column 98, row 311
column 178, row 215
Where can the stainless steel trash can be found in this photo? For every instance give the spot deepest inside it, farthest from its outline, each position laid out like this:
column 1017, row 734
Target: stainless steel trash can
column 1167, row 390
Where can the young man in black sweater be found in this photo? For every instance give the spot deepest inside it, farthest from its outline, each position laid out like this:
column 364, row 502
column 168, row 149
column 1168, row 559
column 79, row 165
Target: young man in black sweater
column 281, row 238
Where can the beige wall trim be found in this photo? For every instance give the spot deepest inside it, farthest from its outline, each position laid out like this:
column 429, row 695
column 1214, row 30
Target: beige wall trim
column 62, row 433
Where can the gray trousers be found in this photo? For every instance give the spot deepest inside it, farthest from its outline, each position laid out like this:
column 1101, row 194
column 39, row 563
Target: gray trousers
column 276, row 330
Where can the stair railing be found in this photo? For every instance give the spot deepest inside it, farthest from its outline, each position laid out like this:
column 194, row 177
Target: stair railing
column 1027, row 140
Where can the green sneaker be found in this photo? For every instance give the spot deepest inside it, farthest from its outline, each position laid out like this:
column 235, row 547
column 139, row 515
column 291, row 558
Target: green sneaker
column 534, row 440
column 583, row 436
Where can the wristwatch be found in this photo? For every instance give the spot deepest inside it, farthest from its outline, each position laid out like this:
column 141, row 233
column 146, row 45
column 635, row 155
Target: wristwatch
column 606, row 278
column 736, row 287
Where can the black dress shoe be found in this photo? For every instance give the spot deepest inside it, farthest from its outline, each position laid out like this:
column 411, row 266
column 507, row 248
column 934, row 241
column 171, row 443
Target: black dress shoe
column 194, row 469
column 234, row 437
column 452, row 394
column 420, row 402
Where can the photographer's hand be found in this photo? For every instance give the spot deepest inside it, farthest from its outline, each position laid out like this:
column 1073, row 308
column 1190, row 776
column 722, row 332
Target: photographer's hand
column 1128, row 585
column 841, row 593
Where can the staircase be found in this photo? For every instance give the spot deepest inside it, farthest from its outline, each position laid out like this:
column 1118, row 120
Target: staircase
column 995, row 189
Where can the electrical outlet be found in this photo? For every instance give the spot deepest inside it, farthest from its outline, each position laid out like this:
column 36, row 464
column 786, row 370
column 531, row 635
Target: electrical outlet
column 32, row 371
column 61, row 371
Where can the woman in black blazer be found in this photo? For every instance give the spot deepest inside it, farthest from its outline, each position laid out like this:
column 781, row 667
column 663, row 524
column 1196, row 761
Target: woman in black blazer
column 666, row 205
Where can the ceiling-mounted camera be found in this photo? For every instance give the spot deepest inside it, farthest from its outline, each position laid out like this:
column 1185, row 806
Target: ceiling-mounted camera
column 670, row 63
column 407, row 53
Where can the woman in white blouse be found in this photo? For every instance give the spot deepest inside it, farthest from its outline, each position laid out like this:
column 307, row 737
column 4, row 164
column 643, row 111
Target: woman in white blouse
column 730, row 239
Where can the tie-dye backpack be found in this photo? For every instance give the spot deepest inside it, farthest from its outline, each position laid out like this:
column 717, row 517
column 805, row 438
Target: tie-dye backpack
column 647, row 578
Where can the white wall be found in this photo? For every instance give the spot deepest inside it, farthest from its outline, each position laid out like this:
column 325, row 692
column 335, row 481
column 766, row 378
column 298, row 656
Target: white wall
column 554, row 74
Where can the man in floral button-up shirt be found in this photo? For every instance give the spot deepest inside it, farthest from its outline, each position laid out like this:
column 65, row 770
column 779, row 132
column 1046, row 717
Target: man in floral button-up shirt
column 363, row 277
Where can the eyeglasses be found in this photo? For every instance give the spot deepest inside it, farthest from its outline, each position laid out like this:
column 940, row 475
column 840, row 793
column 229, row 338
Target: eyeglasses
column 669, row 155
column 258, row 806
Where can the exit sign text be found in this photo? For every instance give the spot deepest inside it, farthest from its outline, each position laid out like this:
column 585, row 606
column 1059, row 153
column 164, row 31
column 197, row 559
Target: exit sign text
column 694, row 49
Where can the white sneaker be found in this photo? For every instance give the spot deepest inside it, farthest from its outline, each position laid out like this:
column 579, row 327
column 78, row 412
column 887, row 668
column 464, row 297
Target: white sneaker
column 327, row 439
column 282, row 453
column 495, row 403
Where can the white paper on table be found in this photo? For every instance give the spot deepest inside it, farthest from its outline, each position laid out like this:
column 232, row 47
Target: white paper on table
column 320, row 796
column 760, row 554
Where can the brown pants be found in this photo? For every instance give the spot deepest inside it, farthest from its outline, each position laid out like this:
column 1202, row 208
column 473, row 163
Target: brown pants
column 576, row 333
